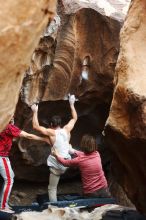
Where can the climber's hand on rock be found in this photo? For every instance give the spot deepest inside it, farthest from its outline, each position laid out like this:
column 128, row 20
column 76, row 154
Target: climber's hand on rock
column 54, row 152
column 72, row 99
column 34, row 108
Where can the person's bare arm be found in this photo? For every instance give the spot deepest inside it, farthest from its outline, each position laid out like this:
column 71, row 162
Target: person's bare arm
column 34, row 137
column 35, row 122
column 72, row 122
column 72, row 162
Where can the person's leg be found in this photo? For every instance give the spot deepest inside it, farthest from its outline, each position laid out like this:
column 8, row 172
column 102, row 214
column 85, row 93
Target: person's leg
column 8, row 176
column 52, row 188
column 104, row 193
column 101, row 193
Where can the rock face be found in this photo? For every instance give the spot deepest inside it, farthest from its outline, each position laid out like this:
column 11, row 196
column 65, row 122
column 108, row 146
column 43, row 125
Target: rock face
column 111, row 8
column 68, row 61
column 77, row 53
column 52, row 76
column 21, row 23
column 126, row 125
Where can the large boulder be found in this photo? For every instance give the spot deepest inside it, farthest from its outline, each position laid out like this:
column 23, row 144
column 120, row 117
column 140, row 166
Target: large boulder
column 126, row 125
column 110, row 8
column 58, row 67
column 21, row 23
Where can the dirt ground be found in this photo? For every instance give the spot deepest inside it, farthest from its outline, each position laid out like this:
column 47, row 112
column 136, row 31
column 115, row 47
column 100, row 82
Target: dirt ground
column 24, row 193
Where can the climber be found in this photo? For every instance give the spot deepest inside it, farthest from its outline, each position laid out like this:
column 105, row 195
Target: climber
column 89, row 162
column 6, row 138
column 59, row 138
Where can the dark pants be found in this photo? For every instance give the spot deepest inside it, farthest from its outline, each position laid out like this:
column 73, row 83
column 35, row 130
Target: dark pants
column 102, row 193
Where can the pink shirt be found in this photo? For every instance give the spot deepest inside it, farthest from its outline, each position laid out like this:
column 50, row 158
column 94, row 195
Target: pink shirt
column 91, row 170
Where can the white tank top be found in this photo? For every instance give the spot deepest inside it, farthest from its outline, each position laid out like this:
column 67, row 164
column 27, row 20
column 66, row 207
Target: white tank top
column 62, row 146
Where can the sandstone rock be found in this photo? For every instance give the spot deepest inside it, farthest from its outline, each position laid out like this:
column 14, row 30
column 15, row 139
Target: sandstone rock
column 58, row 68
column 21, row 23
column 64, row 73
column 126, row 125
column 110, row 8
column 77, row 57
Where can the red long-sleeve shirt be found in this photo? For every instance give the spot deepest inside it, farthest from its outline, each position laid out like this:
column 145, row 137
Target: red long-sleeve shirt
column 91, row 170
column 6, row 138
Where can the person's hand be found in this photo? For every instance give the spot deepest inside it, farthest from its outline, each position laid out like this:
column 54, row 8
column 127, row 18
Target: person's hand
column 34, row 108
column 72, row 99
column 54, row 152
column 71, row 150
column 12, row 120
